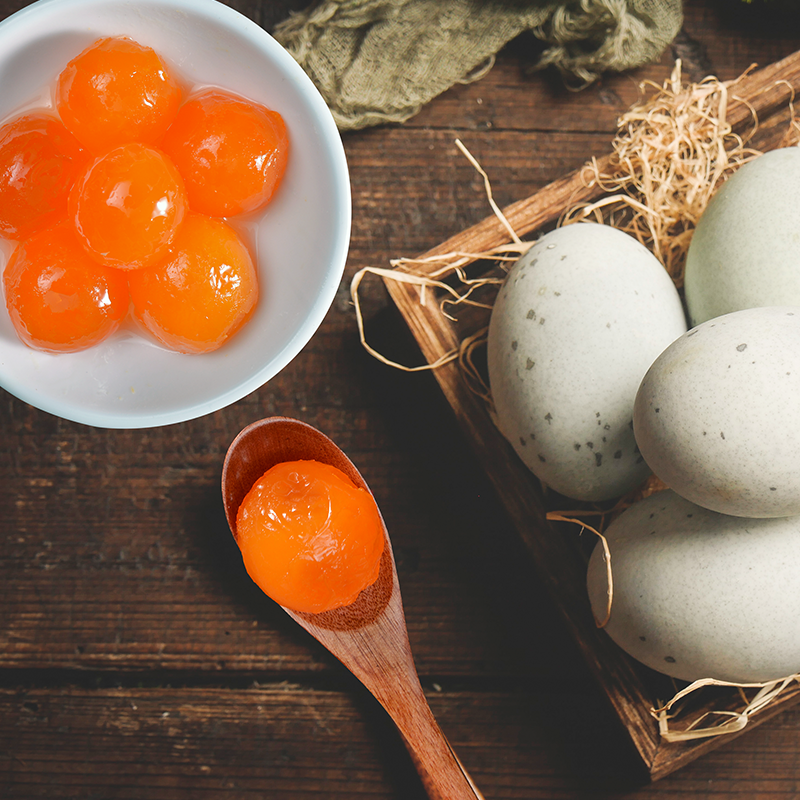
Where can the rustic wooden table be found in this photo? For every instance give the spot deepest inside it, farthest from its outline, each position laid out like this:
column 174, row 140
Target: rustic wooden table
column 137, row 660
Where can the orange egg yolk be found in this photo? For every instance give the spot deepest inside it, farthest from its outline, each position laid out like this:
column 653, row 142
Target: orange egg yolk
column 117, row 91
column 231, row 152
column 310, row 538
column 128, row 206
column 59, row 299
column 195, row 299
column 129, row 179
column 39, row 160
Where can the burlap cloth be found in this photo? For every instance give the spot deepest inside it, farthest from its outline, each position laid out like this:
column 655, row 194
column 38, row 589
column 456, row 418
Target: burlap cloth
column 377, row 61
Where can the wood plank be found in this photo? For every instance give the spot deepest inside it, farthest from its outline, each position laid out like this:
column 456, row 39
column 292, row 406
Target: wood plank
column 206, row 742
column 421, row 203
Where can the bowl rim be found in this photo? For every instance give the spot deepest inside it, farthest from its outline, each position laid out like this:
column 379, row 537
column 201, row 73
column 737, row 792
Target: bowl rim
column 247, row 28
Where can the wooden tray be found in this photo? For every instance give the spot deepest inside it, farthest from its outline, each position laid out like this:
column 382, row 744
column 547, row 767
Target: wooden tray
column 631, row 688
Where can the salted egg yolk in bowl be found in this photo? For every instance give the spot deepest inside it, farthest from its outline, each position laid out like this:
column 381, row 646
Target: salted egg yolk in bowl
column 298, row 242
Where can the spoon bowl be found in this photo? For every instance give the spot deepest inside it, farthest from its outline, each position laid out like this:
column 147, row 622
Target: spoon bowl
column 369, row 636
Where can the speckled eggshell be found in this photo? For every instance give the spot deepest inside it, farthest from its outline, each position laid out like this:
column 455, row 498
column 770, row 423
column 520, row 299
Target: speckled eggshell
column 717, row 416
column 745, row 251
column 579, row 319
column 697, row 594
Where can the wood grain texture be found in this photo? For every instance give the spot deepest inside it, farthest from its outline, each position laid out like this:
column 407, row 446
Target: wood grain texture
column 136, row 659
column 288, row 741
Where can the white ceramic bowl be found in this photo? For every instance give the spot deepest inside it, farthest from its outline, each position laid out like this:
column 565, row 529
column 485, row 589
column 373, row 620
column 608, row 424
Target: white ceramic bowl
column 301, row 240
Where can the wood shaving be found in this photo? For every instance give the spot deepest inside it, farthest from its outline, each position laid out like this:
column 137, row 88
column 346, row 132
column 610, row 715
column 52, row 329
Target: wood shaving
column 669, row 157
column 557, row 516
column 718, row 723
column 452, row 264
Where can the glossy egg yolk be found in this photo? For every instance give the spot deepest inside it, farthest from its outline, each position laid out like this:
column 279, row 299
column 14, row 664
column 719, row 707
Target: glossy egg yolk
column 117, row 91
column 59, row 299
column 310, row 538
column 128, row 206
column 231, row 152
column 39, row 160
column 197, row 297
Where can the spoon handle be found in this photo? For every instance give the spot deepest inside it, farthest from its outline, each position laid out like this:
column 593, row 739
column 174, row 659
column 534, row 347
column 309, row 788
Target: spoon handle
column 369, row 636
column 439, row 768
column 433, row 786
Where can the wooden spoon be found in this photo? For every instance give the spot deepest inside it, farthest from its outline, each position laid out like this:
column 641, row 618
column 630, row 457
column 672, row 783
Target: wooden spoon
column 368, row 636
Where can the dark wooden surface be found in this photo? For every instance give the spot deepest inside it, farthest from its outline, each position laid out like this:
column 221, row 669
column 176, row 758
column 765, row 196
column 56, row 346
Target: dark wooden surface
column 137, row 660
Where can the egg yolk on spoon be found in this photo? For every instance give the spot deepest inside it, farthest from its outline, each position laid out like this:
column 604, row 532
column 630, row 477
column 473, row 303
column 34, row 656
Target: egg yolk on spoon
column 310, row 538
